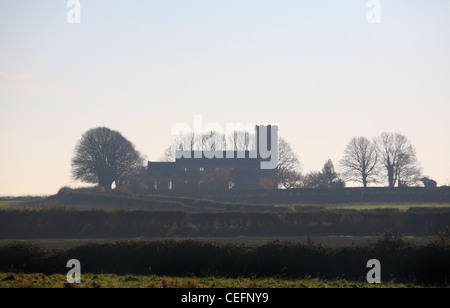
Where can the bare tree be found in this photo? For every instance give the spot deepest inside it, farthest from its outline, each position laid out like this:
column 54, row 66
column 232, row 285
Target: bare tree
column 408, row 171
column 292, row 179
column 241, row 141
column 288, row 173
column 289, row 166
column 360, row 162
column 213, row 141
column 210, row 141
column 312, row 179
column 104, row 156
column 399, row 159
column 186, row 142
column 327, row 178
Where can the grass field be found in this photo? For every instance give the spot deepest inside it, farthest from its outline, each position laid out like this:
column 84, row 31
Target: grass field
column 366, row 206
column 402, row 207
column 13, row 280
column 8, row 204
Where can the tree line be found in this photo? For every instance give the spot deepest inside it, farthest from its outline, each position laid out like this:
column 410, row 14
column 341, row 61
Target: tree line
column 104, row 157
column 388, row 159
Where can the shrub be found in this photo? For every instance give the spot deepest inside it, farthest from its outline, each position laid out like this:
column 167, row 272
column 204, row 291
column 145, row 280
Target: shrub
column 424, row 264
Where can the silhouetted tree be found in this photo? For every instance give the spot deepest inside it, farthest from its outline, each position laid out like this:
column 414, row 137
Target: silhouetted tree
column 427, row 182
column 213, row 141
column 292, row 179
column 327, row 178
column 289, row 167
column 241, row 141
column 399, row 159
column 330, row 177
column 312, row 180
column 186, row 142
column 210, row 141
column 104, row 156
column 360, row 161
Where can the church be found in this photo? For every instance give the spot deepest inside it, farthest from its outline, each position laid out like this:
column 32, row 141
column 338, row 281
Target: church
column 193, row 170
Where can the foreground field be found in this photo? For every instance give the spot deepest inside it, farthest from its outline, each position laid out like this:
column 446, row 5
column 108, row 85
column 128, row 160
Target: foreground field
column 12, row 280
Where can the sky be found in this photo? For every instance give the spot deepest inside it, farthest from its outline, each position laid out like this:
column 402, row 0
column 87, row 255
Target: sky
column 318, row 69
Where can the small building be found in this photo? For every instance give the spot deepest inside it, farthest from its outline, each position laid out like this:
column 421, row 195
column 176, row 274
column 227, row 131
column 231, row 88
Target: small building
column 219, row 169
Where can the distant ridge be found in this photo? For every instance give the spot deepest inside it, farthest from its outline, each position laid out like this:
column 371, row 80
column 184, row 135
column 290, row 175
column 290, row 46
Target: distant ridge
column 95, row 198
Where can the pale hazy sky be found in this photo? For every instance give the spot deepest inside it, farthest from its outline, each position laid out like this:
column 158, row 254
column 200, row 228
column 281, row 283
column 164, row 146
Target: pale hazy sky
column 316, row 68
